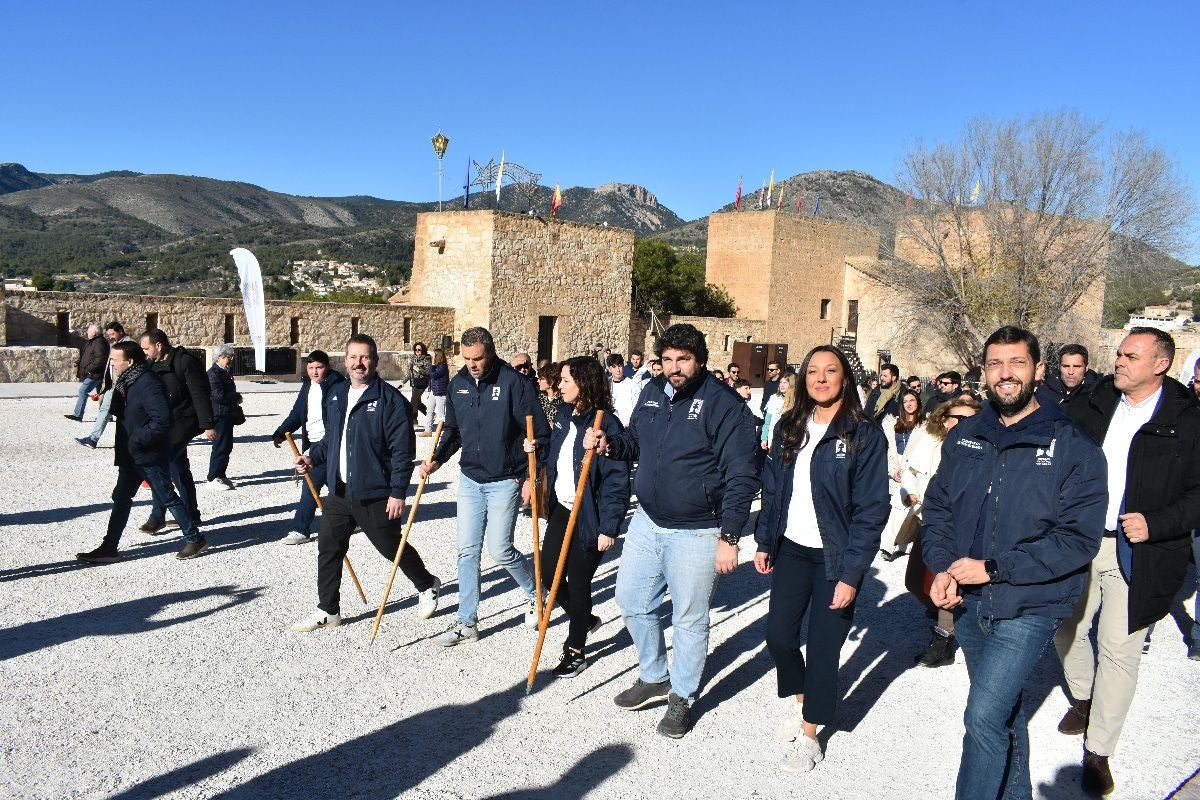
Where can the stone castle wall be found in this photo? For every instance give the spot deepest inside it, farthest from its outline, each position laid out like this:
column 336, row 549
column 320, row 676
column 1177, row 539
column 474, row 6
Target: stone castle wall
column 33, row 319
column 719, row 334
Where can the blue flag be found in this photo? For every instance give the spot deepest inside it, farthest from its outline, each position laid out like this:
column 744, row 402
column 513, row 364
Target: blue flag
column 467, row 186
column 817, row 205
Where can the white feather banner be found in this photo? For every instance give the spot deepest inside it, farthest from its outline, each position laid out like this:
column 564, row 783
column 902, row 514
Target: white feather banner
column 250, row 277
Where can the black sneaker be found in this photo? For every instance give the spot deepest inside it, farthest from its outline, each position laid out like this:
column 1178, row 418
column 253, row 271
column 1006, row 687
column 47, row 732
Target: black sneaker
column 153, row 526
column 678, row 719
column 87, row 441
column 596, row 623
column 101, row 555
column 73, row 418
column 192, row 549
column 642, row 694
column 572, row 663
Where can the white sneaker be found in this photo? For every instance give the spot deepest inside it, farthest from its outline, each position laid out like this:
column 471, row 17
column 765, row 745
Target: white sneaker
column 296, row 537
column 427, row 601
column 315, row 621
column 531, row 616
column 458, row 634
column 804, row 757
column 789, row 726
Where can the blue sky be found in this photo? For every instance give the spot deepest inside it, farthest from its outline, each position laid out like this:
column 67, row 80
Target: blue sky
column 336, row 99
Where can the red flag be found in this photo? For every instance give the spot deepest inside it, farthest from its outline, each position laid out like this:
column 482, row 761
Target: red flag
column 737, row 201
column 908, row 202
column 556, row 201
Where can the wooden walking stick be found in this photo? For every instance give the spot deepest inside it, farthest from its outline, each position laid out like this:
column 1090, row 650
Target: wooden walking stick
column 412, row 515
column 312, row 487
column 533, row 509
column 544, row 620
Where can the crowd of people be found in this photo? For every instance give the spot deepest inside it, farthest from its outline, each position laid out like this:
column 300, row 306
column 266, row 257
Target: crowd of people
column 1028, row 511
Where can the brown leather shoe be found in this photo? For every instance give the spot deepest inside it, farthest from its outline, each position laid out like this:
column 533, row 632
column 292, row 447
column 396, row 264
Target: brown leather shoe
column 192, row 549
column 1075, row 721
column 1097, row 780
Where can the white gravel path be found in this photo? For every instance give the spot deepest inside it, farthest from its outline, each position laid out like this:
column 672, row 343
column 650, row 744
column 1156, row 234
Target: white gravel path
column 160, row 678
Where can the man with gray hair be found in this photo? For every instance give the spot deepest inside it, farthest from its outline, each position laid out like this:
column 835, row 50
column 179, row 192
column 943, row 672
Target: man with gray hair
column 486, row 408
column 93, row 359
column 114, row 332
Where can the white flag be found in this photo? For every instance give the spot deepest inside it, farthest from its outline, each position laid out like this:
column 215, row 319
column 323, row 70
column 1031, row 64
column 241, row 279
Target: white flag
column 250, row 277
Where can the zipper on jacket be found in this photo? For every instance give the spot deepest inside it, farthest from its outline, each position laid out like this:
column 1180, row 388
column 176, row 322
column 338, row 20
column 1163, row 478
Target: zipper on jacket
column 997, row 481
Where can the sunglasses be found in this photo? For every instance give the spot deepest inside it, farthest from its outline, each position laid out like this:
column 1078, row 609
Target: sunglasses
column 523, row 366
column 959, row 416
column 945, row 383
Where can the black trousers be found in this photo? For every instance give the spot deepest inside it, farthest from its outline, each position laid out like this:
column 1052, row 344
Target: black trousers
column 575, row 589
column 338, row 521
column 799, row 585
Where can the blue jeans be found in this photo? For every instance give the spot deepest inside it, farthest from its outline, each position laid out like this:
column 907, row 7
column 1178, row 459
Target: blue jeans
column 306, row 509
column 222, row 447
column 85, row 388
column 654, row 559
column 1000, row 654
column 129, row 479
column 185, row 485
column 102, row 415
column 487, row 512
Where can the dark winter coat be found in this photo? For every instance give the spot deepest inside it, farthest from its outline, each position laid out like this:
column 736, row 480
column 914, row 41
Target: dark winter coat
column 143, row 415
column 850, row 496
column 222, row 391
column 696, row 454
column 93, row 358
column 603, row 506
column 297, row 418
column 1046, row 480
column 1054, row 383
column 487, row 421
column 1162, row 484
column 380, row 443
column 187, row 388
column 439, row 380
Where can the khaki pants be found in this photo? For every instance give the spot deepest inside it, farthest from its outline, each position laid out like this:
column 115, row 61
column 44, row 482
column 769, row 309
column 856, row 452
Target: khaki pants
column 1108, row 676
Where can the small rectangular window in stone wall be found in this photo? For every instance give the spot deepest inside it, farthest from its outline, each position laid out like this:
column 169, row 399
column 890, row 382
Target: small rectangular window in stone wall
column 407, row 330
column 354, row 326
column 151, row 321
column 294, row 331
column 229, row 329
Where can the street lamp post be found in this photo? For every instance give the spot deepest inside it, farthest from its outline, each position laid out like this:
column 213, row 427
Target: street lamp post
column 440, row 143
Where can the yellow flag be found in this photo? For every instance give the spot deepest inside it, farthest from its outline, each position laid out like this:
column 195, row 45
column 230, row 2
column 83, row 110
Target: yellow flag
column 975, row 192
column 771, row 188
column 499, row 177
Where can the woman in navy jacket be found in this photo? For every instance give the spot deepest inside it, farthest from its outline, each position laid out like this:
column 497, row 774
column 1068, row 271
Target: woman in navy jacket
column 584, row 390
column 824, row 505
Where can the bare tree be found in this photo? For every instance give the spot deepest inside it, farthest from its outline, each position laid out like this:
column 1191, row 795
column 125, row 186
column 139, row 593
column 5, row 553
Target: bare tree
column 1017, row 221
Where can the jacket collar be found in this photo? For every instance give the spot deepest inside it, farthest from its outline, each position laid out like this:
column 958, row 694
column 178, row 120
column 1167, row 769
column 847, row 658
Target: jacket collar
column 689, row 389
column 1037, row 428
column 1175, row 398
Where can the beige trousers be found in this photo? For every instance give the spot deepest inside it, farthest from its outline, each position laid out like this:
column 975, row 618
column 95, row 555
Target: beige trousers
column 1107, row 673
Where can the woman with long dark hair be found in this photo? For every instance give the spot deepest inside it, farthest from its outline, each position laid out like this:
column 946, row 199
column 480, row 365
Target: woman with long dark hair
column 439, row 383
column 418, row 377
column 583, row 390
column 898, row 429
column 824, row 505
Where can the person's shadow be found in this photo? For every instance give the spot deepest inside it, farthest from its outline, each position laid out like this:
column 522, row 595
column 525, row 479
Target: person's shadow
column 129, row 617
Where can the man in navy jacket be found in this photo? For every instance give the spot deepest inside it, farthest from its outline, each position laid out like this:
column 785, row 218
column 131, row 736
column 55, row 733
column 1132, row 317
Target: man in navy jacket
column 1012, row 518
column 143, row 452
column 307, row 416
column 694, row 439
column 485, row 418
column 367, row 461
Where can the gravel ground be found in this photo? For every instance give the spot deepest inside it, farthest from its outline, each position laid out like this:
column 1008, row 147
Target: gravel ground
column 159, row 678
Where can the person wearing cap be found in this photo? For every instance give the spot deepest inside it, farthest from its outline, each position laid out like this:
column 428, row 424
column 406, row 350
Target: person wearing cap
column 306, row 417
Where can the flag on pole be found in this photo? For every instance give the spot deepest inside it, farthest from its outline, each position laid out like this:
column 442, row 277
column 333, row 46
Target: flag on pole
column 762, row 193
column 467, row 186
column 250, row 278
column 800, row 202
column 817, row 205
column 975, row 192
column 779, row 205
column 499, row 178
column 737, row 201
column 908, row 201
column 555, row 201
column 771, row 188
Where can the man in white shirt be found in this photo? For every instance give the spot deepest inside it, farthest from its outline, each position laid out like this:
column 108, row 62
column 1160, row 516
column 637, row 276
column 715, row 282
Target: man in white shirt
column 625, row 391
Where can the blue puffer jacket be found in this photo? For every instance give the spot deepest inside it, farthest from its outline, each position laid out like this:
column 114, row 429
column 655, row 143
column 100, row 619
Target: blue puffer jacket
column 696, row 455
column 298, row 417
column 487, row 420
column 604, row 504
column 1046, row 480
column 850, row 496
column 380, row 443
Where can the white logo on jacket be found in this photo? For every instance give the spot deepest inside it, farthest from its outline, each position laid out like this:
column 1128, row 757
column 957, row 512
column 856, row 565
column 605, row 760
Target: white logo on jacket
column 970, row 444
column 650, row 404
column 1045, row 455
column 495, row 392
column 694, row 410
column 839, row 450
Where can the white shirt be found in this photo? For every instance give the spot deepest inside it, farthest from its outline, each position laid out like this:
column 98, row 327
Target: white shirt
column 625, row 396
column 564, row 478
column 312, row 420
column 1126, row 421
column 802, row 514
column 351, row 402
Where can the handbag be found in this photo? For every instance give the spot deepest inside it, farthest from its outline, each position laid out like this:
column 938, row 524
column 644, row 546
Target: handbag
column 910, row 527
column 238, row 416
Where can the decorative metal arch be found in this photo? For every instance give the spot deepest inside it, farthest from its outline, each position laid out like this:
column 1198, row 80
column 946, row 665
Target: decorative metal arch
column 527, row 182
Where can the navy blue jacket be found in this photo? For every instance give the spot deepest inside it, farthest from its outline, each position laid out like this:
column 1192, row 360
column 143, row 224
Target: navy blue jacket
column 222, row 391
column 380, row 443
column 696, row 454
column 298, row 417
column 1047, row 482
column 188, row 393
column 439, row 379
column 143, row 422
column 850, row 496
column 487, row 420
column 604, row 504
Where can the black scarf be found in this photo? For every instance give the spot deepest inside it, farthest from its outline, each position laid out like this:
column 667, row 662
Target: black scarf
column 128, row 377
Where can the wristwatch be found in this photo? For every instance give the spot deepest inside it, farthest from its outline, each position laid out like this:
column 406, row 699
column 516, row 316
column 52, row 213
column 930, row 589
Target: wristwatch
column 731, row 538
column 993, row 571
